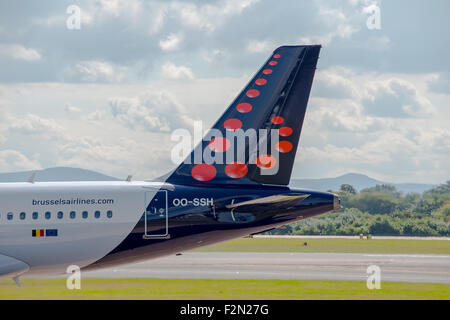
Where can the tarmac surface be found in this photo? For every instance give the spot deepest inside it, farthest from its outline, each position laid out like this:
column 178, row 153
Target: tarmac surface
column 286, row 266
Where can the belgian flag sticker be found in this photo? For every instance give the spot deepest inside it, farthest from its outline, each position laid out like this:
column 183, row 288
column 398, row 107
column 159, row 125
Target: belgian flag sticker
column 38, row 232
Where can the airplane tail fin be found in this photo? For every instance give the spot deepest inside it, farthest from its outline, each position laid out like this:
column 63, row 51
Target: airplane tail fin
column 256, row 139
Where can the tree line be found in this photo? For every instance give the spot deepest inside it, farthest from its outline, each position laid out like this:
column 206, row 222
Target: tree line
column 381, row 210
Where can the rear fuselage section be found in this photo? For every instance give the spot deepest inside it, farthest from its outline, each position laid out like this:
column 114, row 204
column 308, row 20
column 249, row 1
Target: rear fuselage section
column 49, row 226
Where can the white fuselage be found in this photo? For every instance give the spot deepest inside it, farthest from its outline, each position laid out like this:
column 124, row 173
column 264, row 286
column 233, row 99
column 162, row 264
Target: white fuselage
column 74, row 223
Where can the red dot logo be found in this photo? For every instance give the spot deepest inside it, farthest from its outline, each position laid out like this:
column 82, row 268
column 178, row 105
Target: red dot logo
column 203, row 172
column 232, row 124
column 219, row 144
column 236, row 170
column 252, row 93
column 285, row 131
column 284, row 146
column 266, row 161
column 267, row 71
column 244, row 107
column 276, row 56
column 261, row 81
column 277, row 120
column 273, row 63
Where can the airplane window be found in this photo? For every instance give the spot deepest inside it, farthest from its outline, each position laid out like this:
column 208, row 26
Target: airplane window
column 85, row 214
column 23, row 215
column 48, row 215
column 35, row 215
column 60, row 214
column 72, row 214
column 97, row 214
column 10, row 216
column 109, row 214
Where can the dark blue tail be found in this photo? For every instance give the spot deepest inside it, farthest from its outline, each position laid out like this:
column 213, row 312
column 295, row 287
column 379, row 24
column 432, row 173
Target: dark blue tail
column 275, row 100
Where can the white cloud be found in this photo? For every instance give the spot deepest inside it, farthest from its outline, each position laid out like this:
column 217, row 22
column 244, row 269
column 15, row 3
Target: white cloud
column 256, row 46
column 19, row 52
column 216, row 56
column 92, row 71
column 209, row 17
column 98, row 115
column 117, row 7
column 93, row 11
column 362, row 2
column 171, row 43
column 338, row 115
column 385, row 97
column 439, row 82
column 51, row 21
column 158, row 19
column 93, row 149
column 338, row 136
column 71, row 109
column 32, row 124
column 143, row 157
column 378, row 42
column 375, row 124
column 396, row 98
column 13, row 160
column 335, row 83
column 4, row 121
column 336, row 23
column 340, row 155
column 172, row 71
column 405, row 153
column 154, row 111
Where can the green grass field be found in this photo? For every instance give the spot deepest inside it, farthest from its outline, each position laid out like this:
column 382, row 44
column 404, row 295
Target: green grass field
column 332, row 245
column 250, row 289
column 218, row 289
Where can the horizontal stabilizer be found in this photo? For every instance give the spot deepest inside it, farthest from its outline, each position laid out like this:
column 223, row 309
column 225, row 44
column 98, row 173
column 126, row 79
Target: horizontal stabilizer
column 11, row 267
column 280, row 201
column 280, row 198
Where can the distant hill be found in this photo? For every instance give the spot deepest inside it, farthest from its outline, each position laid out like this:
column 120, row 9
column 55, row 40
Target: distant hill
column 56, row 174
column 359, row 181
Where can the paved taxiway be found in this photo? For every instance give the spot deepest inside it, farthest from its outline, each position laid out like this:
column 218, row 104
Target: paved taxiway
column 287, row 266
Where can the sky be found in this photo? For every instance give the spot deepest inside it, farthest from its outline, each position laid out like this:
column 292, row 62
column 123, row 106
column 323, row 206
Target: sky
column 106, row 96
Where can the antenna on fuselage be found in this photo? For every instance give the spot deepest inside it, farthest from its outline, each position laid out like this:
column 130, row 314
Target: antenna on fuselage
column 128, row 179
column 31, row 178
